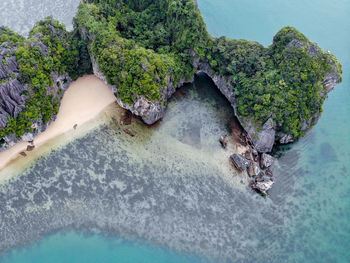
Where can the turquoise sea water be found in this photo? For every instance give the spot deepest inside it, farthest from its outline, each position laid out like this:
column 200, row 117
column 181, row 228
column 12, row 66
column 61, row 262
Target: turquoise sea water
column 178, row 203
column 88, row 248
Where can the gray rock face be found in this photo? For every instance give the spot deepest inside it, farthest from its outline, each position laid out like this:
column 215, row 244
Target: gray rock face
column 223, row 84
column 263, row 186
column 266, row 161
column 14, row 94
column 149, row 111
column 262, row 137
column 240, row 162
column 285, row 138
column 12, row 100
column 253, row 170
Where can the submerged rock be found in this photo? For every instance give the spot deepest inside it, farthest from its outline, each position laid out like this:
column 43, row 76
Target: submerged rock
column 127, row 131
column 240, row 162
column 149, row 111
column 126, row 118
column 14, row 92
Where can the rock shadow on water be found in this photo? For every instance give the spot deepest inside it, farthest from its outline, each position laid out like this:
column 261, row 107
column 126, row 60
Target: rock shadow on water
column 202, row 112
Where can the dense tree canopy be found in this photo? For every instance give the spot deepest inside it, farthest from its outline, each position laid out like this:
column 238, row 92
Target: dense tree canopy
column 143, row 45
column 282, row 81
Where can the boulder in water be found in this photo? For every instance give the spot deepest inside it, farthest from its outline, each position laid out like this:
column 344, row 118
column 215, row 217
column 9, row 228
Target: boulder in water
column 240, row 162
column 253, row 170
column 266, row 160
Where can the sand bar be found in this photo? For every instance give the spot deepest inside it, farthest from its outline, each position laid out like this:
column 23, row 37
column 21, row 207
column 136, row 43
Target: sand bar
column 85, row 98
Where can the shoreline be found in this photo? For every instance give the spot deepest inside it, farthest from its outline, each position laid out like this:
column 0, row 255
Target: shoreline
column 82, row 102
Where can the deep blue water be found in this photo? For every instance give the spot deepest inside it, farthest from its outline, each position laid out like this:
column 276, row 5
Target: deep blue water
column 307, row 217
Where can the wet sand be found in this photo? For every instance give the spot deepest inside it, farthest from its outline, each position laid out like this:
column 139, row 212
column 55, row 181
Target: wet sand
column 83, row 101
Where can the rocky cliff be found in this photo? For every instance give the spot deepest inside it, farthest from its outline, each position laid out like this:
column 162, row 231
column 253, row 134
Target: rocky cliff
column 276, row 92
column 15, row 92
column 264, row 136
column 12, row 99
column 149, row 111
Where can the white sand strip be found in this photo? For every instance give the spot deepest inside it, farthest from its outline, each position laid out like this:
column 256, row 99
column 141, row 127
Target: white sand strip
column 83, row 101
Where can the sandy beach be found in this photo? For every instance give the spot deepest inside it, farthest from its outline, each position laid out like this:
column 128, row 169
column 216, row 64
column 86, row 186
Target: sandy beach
column 85, row 99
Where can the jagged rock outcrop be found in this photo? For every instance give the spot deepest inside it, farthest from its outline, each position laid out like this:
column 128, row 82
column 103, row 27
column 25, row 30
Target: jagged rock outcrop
column 14, row 93
column 262, row 137
column 266, row 160
column 12, row 99
column 260, row 176
column 263, row 185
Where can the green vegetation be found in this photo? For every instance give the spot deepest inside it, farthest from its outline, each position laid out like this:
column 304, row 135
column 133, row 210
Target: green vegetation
column 283, row 82
column 287, row 85
column 49, row 49
column 6, row 35
column 140, row 45
column 144, row 46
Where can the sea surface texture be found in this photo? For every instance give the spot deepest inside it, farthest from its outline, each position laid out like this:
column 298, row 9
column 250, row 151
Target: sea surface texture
column 168, row 194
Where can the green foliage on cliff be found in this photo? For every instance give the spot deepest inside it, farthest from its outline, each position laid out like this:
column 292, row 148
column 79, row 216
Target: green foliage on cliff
column 140, row 71
column 289, row 87
column 50, row 49
column 140, row 45
column 283, row 81
column 144, row 46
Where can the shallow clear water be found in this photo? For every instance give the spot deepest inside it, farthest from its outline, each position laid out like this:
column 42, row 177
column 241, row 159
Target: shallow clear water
column 170, row 187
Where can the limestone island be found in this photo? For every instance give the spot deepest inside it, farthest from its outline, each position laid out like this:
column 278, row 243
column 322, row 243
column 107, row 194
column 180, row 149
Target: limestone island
column 144, row 51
